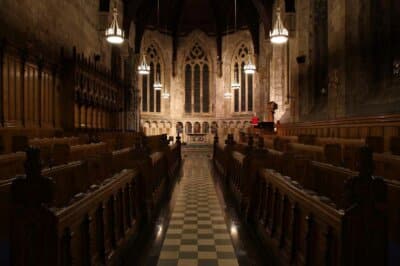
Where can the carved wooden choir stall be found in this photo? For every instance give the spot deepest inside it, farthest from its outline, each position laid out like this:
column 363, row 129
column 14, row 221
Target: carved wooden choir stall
column 307, row 210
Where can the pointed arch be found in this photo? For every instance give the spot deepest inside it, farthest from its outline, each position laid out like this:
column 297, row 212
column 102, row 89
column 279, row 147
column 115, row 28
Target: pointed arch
column 151, row 99
column 197, row 79
column 243, row 98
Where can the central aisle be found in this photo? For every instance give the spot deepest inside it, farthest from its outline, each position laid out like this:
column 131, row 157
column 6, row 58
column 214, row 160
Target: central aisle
column 197, row 233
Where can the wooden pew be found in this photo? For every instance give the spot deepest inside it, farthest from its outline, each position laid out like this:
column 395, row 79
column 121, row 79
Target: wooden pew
column 101, row 214
column 321, row 180
column 303, row 229
column 386, row 164
column 80, row 152
column 11, row 165
column 46, row 146
column 395, row 145
column 294, row 220
column 63, row 153
column 89, row 230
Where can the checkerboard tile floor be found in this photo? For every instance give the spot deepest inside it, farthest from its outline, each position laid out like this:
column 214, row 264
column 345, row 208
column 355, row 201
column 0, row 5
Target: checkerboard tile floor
column 197, row 234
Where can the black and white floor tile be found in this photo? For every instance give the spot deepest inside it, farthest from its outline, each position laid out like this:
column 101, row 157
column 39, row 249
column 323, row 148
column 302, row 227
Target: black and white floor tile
column 197, row 234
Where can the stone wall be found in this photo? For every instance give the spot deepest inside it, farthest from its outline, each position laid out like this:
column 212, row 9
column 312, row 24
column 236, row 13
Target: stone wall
column 221, row 110
column 48, row 25
column 360, row 60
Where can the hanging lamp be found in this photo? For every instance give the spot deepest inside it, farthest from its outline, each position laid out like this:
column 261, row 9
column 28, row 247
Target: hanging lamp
column 157, row 84
column 228, row 95
column 165, row 95
column 144, row 68
column 114, row 34
column 279, row 34
column 235, row 84
column 250, row 68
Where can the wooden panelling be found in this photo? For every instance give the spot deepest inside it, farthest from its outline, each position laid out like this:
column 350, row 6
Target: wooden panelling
column 352, row 127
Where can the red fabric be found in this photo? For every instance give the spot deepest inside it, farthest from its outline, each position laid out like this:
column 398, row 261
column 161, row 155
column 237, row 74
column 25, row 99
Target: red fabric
column 254, row 120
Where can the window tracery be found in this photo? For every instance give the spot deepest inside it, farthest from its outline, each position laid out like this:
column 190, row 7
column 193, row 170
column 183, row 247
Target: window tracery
column 151, row 98
column 242, row 97
column 197, row 81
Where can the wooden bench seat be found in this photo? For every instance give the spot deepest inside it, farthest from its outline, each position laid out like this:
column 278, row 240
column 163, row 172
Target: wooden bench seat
column 100, row 210
column 89, row 230
column 320, row 181
column 11, row 164
column 294, row 221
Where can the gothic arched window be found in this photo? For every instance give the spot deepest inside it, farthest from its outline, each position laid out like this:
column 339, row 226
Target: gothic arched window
column 197, row 81
column 243, row 97
column 151, row 99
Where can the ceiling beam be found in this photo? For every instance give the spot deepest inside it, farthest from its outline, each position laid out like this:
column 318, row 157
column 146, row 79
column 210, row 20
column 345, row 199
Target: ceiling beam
column 264, row 10
column 253, row 23
column 175, row 22
column 220, row 21
column 142, row 16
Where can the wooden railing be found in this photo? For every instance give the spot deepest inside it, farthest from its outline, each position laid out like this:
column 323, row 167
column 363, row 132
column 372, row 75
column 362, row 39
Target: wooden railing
column 81, row 213
column 87, row 231
column 386, row 126
column 339, row 152
column 320, row 215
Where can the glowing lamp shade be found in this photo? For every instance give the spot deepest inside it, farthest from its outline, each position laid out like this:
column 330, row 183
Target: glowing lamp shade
column 114, row 34
column 250, row 68
column 228, row 95
column 144, row 68
column 165, row 95
column 279, row 34
column 235, row 84
column 158, row 85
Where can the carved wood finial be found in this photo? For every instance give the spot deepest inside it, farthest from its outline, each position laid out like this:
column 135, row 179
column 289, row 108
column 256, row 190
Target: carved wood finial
column 32, row 189
column 33, row 166
column 365, row 162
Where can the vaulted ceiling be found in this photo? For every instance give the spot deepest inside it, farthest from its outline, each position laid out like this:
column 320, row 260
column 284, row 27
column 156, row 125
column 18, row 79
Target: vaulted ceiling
column 214, row 17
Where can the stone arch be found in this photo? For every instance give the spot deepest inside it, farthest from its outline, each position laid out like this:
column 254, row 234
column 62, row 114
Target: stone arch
column 197, row 127
column 214, row 127
column 149, row 41
column 179, row 127
column 206, row 127
column 188, row 128
column 146, row 127
column 151, row 100
column 161, row 127
column 153, row 128
column 198, row 36
column 168, row 126
column 232, row 127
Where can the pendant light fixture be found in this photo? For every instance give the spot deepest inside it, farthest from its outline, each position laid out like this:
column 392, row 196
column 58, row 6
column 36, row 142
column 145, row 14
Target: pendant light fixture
column 114, row 34
column 165, row 95
column 279, row 34
column 235, row 84
column 250, row 68
column 157, row 84
column 228, row 95
column 144, row 68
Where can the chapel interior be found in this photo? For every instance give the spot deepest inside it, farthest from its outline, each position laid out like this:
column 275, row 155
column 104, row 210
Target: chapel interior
column 199, row 132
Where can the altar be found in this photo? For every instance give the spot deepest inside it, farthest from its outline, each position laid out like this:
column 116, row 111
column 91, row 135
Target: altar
column 197, row 138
